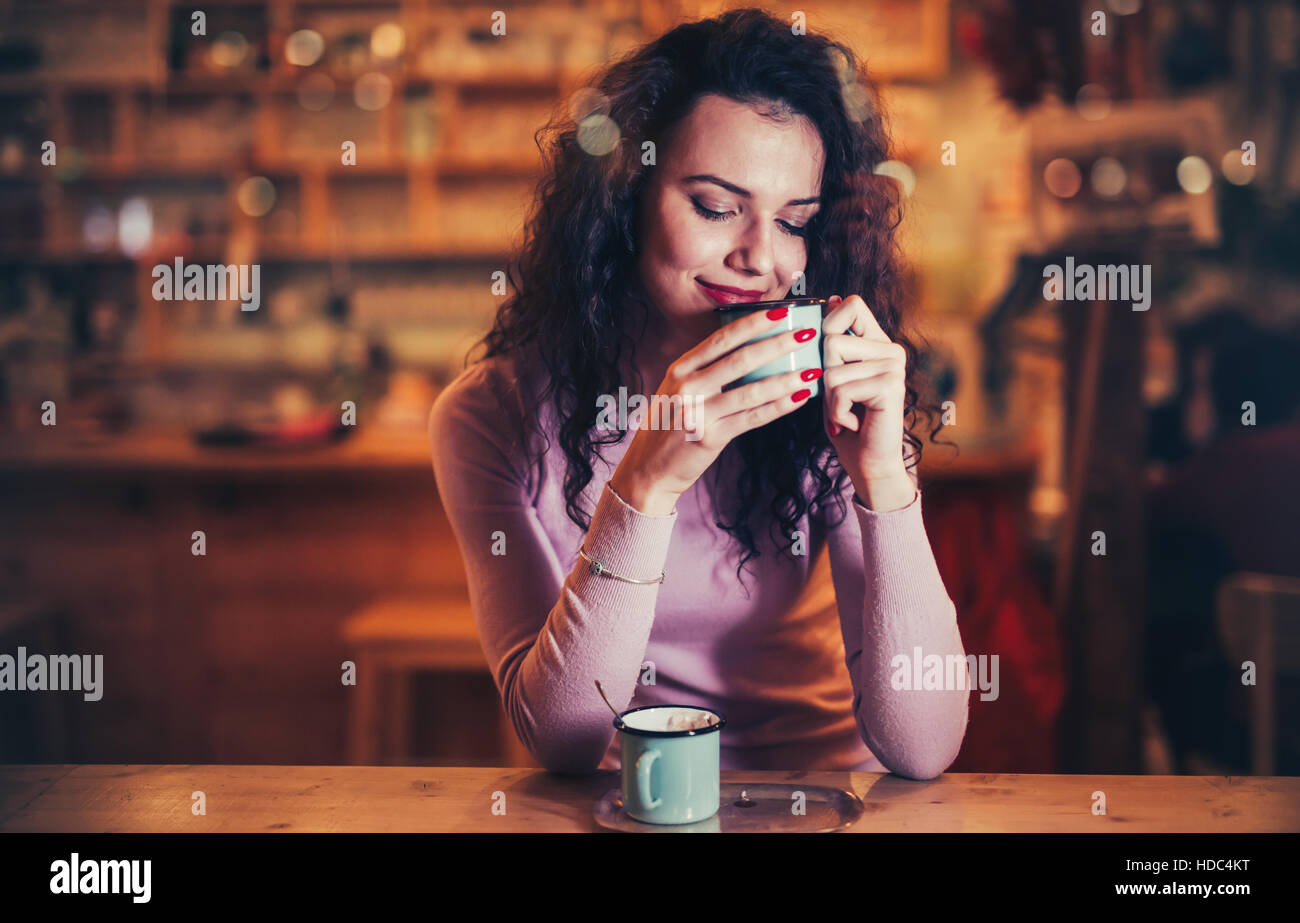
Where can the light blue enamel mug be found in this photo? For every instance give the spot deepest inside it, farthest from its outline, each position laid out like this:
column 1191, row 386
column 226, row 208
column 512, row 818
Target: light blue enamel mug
column 671, row 763
column 803, row 313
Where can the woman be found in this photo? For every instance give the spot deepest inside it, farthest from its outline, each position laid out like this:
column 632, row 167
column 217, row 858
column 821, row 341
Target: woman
column 798, row 568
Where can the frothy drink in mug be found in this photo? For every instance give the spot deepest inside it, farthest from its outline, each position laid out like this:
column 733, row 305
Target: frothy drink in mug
column 671, row 763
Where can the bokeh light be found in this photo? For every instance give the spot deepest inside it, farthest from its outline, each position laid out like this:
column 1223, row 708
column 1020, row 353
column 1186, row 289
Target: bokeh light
column 135, row 226
column 372, row 91
column 98, row 229
column 11, row 154
column 1108, row 177
column 598, row 135
column 1124, row 7
column 1062, row 178
column 1194, row 174
column 229, row 50
column 304, row 48
column 1236, row 172
column 387, row 41
column 256, row 196
column 315, row 92
column 1093, row 102
column 898, row 171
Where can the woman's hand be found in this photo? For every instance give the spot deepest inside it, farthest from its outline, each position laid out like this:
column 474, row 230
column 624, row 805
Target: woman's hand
column 863, row 395
column 661, row 464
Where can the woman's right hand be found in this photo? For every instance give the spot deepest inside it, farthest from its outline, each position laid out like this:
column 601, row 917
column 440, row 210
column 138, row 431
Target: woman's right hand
column 661, row 464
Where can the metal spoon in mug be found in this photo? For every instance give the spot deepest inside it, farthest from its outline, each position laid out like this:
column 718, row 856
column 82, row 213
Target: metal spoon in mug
column 601, row 690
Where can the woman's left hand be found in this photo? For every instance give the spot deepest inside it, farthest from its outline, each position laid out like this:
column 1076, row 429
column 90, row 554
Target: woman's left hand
column 864, row 386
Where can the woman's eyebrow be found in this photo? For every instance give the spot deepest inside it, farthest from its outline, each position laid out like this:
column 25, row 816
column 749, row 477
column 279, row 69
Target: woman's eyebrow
column 745, row 193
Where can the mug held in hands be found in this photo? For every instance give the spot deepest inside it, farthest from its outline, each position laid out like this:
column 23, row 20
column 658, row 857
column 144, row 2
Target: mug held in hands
column 803, row 313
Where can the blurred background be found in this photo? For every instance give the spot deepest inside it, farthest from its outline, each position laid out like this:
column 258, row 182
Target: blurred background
column 1119, row 524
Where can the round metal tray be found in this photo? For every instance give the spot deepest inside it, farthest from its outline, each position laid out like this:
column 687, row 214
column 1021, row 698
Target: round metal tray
column 765, row 808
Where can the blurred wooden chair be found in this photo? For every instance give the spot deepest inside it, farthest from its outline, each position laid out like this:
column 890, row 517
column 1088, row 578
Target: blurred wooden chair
column 1258, row 618
column 394, row 638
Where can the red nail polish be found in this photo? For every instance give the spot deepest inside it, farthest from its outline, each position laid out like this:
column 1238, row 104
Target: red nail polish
column 810, row 374
column 801, row 395
column 835, row 429
column 777, row 313
column 803, row 336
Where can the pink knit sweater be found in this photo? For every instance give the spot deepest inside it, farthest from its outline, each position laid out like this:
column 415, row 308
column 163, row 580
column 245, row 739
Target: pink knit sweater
column 798, row 660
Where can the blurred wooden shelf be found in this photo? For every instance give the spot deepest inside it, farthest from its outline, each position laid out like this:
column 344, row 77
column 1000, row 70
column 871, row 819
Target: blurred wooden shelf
column 278, row 82
column 371, row 252
column 97, row 168
column 368, row 449
column 383, row 251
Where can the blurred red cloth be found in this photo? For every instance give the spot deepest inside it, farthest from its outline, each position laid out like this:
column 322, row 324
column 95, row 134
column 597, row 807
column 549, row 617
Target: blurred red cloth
column 981, row 552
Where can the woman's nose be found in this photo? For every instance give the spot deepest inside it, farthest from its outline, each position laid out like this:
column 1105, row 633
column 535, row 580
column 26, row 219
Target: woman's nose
column 753, row 251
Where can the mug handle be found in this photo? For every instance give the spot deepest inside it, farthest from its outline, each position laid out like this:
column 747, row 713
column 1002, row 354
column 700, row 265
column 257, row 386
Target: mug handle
column 643, row 764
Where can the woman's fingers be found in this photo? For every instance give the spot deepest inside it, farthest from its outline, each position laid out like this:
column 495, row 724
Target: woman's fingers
column 853, row 314
column 855, row 350
column 732, row 426
column 870, row 389
column 758, row 393
column 840, row 348
column 850, row 358
column 723, row 341
column 711, row 379
column 852, row 371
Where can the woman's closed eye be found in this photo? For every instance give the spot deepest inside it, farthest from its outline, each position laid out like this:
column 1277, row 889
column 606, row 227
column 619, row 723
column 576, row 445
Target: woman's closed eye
column 794, row 230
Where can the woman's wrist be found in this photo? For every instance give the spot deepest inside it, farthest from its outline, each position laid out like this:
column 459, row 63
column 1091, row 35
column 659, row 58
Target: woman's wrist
column 644, row 497
column 885, row 492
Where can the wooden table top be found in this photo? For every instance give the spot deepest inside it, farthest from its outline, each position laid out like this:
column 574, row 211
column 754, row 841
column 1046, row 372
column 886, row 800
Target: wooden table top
column 158, row 798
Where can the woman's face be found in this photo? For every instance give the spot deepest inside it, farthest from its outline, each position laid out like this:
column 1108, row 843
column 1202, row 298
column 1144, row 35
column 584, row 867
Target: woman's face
column 761, row 179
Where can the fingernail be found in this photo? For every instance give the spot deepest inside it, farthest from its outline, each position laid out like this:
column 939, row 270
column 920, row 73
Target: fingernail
column 803, row 336
column 801, row 395
column 836, row 298
column 777, row 313
column 835, row 429
column 811, row 374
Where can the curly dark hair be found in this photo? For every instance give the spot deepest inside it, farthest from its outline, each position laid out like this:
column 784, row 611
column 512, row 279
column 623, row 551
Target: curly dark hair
column 576, row 271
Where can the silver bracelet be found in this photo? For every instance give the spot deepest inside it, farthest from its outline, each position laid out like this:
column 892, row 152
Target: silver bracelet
column 601, row 570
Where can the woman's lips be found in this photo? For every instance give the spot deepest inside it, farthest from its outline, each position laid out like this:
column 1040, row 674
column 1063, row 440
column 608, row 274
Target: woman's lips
column 723, row 296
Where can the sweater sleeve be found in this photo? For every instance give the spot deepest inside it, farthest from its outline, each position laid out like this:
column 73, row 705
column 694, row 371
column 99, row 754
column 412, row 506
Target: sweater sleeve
column 547, row 634
column 891, row 601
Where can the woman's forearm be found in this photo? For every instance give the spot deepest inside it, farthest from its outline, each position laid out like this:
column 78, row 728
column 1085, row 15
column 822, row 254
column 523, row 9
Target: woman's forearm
column 886, row 493
column 549, row 628
column 643, row 494
column 916, row 732
column 598, row 629
column 893, row 602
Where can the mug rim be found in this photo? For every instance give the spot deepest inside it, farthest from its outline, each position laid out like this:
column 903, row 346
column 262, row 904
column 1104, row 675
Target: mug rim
column 619, row 725
column 776, row 303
